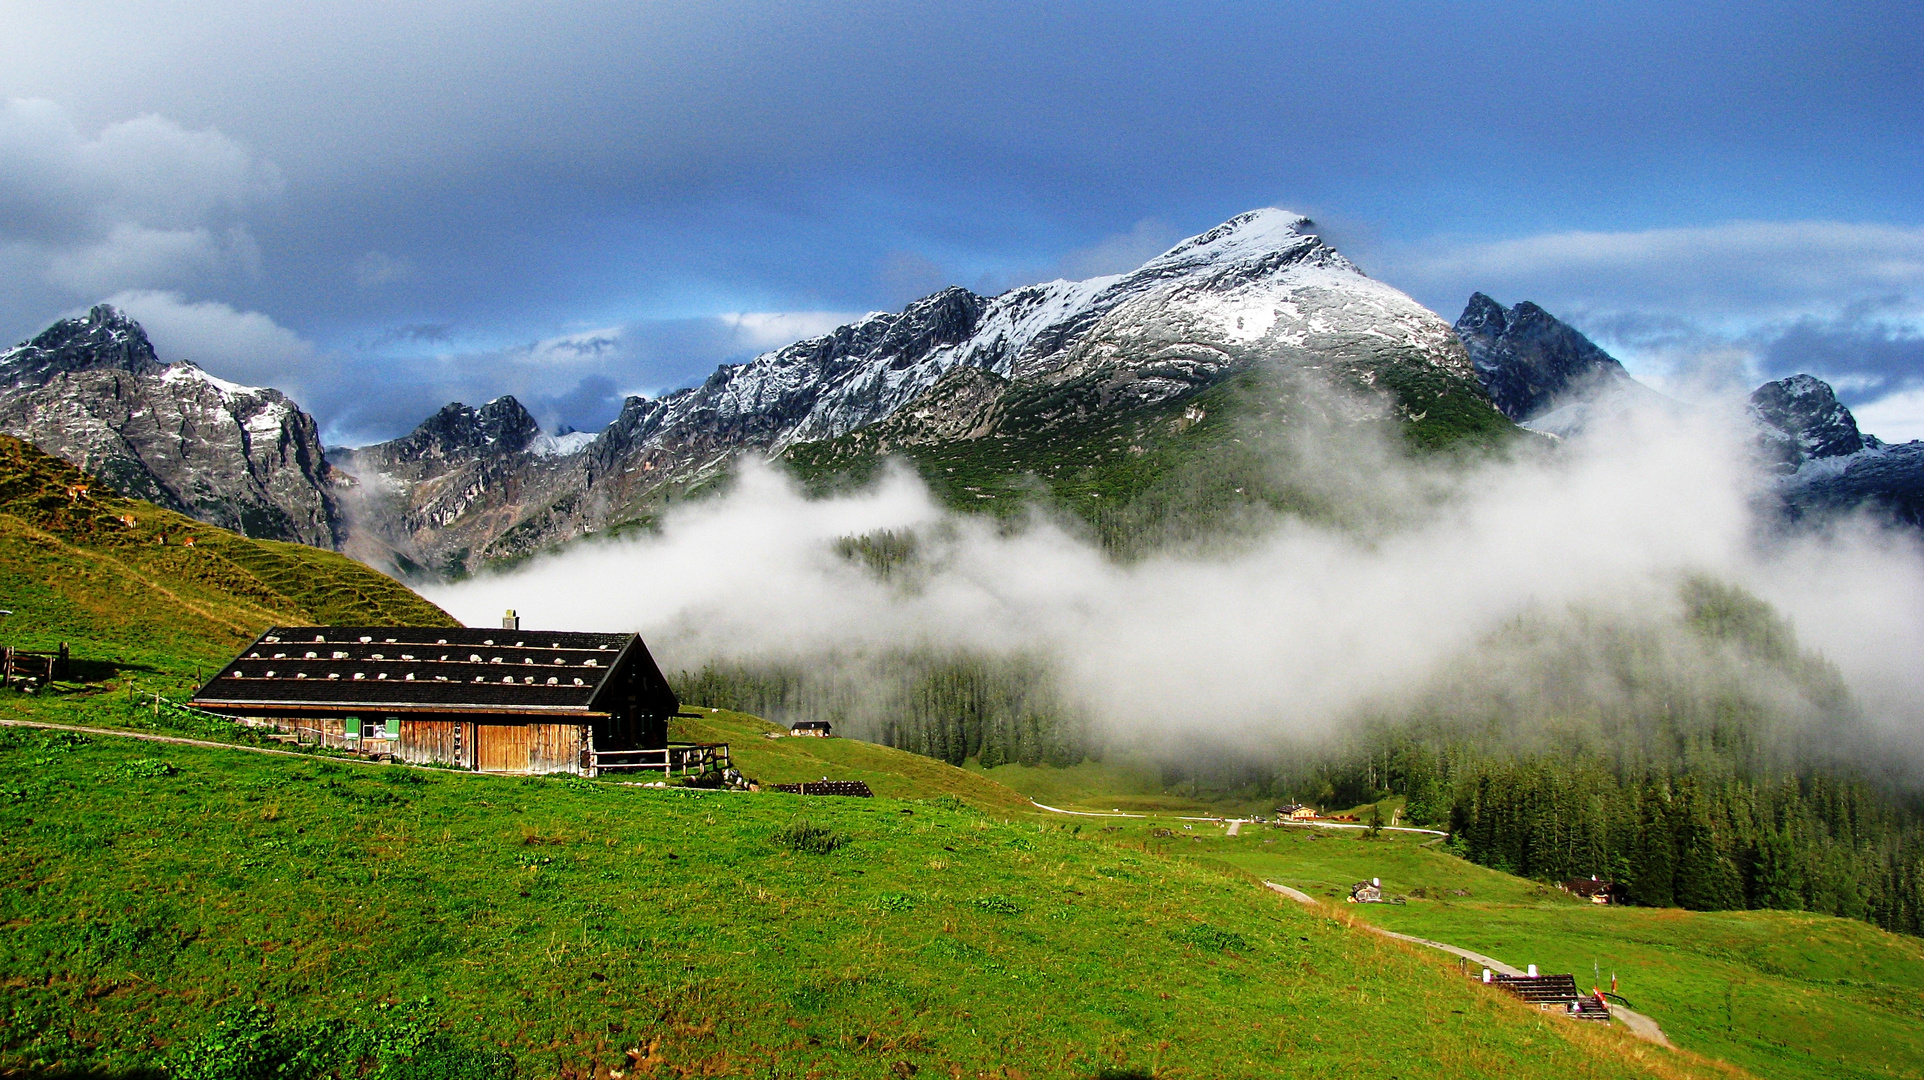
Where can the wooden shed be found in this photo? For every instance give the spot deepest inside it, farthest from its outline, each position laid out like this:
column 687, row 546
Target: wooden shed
column 1594, row 889
column 517, row 701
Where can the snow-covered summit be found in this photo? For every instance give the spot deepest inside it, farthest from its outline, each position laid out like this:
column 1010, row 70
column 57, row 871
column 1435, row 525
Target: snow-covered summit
column 1264, row 236
column 187, row 372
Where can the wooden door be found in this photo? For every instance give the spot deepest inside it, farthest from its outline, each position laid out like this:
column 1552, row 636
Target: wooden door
column 501, row 747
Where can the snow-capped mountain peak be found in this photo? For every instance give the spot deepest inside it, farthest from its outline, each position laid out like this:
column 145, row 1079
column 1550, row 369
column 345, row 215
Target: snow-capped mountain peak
column 1257, row 236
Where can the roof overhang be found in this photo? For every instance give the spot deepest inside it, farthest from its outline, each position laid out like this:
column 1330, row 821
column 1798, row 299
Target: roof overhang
column 555, row 712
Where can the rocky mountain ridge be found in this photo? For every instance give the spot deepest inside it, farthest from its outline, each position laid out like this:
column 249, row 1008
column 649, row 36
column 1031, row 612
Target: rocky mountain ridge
column 1017, row 373
column 91, row 390
column 1823, row 464
column 1542, row 372
column 1547, row 376
column 1262, row 288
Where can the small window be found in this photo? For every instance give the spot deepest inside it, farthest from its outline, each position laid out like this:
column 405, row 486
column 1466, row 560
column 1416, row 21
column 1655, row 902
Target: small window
column 353, row 725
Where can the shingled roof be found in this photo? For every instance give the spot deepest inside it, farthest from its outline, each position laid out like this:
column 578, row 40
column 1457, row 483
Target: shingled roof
column 435, row 669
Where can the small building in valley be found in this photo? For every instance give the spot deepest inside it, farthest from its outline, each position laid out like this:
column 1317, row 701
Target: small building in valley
column 510, row 700
column 1594, row 889
column 816, row 728
column 1296, row 812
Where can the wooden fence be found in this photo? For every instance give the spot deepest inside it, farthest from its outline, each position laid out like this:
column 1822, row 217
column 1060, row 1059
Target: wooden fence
column 18, row 667
column 676, row 759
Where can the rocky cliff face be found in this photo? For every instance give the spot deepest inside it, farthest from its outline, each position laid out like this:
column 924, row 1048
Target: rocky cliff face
column 1800, row 420
column 1262, row 288
column 427, row 501
column 92, row 391
column 1823, row 465
column 1539, row 370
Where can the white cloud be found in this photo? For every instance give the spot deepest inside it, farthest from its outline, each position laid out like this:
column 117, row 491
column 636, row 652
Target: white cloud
column 1741, row 272
column 762, row 330
column 245, row 346
column 1895, row 417
column 135, row 256
column 580, row 346
column 1121, row 252
column 143, row 204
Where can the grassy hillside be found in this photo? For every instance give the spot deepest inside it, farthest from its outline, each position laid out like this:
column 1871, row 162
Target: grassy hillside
column 429, row 923
column 888, row 772
column 137, row 596
column 1782, row 994
column 1119, row 785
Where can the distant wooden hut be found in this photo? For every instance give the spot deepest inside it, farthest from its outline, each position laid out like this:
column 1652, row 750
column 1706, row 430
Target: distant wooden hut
column 817, row 728
column 1594, row 889
column 1296, row 812
column 518, row 701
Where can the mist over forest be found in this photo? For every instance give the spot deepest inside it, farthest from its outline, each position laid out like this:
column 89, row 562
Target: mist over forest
column 1608, row 631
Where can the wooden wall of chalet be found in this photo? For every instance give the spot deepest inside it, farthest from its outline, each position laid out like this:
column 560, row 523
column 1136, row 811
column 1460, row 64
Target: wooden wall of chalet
column 483, row 747
column 435, row 742
column 535, row 748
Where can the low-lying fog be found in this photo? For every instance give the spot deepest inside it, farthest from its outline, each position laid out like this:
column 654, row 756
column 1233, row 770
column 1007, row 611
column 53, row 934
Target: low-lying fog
column 1293, row 629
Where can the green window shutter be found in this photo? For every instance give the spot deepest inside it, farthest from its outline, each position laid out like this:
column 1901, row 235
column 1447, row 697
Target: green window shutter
column 353, row 727
column 393, row 727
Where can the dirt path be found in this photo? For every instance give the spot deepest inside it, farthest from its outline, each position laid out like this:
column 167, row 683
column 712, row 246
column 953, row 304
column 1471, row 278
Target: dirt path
column 1236, row 824
column 1640, row 1025
column 177, row 740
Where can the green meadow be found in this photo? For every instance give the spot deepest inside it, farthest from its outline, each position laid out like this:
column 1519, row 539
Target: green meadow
column 213, row 912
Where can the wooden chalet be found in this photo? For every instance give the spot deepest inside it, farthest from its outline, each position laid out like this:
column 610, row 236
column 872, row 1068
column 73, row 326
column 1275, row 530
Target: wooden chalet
column 509, row 700
column 818, row 728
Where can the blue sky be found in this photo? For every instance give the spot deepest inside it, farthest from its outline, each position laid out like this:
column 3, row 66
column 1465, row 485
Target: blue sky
column 573, row 201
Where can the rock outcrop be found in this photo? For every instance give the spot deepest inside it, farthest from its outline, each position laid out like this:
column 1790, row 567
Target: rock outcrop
column 1541, row 371
column 1823, row 465
column 91, row 390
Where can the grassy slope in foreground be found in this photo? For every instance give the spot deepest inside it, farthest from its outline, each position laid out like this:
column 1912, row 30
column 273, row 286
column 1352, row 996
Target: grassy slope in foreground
column 569, row 921
column 1779, row 993
column 138, row 597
